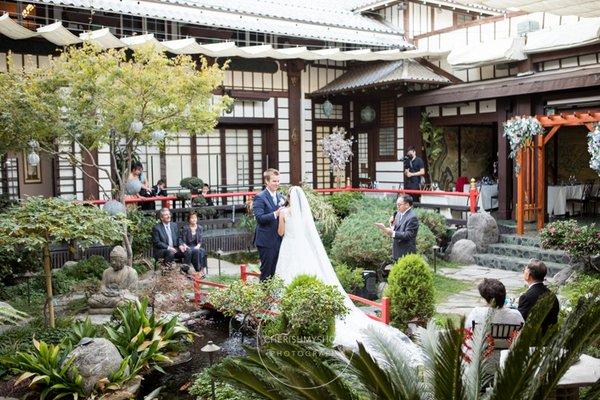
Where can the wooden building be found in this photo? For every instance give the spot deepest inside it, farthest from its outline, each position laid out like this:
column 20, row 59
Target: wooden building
column 380, row 65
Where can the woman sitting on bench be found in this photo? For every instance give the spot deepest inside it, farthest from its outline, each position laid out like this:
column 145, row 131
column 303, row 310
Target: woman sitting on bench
column 192, row 237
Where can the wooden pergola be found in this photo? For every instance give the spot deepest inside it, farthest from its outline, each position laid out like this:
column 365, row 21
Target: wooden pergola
column 531, row 181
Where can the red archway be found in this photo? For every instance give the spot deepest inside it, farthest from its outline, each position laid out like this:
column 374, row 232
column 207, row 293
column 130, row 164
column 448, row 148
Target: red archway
column 531, row 182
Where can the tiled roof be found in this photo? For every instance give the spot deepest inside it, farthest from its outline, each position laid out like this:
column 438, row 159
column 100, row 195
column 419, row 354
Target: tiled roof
column 382, row 73
column 328, row 21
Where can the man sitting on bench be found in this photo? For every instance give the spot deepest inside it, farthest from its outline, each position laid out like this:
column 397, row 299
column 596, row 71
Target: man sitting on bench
column 167, row 243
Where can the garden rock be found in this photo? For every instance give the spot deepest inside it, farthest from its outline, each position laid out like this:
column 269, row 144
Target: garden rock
column 463, row 252
column 482, row 230
column 95, row 358
column 69, row 264
column 562, row 276
column 458, row 235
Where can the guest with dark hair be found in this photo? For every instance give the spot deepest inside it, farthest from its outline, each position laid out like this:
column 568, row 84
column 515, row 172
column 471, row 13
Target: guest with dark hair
column 414, row 170
column 205, row 191
column 192, row 237
column 160, row 188
column 534, row 274
column 403, row 229
column 494, row 294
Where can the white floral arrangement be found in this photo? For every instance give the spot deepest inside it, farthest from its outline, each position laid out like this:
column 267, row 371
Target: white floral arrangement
column 519, row 130
column 337, row 148
column 594, row 149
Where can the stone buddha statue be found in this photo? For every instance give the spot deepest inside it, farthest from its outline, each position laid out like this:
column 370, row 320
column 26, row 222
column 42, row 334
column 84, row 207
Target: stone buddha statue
column 119, row 281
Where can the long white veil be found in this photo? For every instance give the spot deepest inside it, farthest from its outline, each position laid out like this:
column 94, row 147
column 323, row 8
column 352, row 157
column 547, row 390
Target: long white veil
column 302, row 252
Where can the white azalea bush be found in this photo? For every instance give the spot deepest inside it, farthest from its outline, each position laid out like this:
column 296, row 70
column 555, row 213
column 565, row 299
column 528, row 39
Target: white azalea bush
column 594, row 149
column 520, row 130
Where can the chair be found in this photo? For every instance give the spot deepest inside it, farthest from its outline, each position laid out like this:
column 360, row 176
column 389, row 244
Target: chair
column 461, row 181
column 501, row 332
column 584, row 200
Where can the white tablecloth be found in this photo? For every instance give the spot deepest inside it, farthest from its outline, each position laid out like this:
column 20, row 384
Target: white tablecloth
column 558, row 195
column 446, row 201
column 486, row 192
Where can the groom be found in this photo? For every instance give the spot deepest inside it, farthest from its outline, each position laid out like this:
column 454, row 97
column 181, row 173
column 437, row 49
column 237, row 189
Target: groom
column 266, row 209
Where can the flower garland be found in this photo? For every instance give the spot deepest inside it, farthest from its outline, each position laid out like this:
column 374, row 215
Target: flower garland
column 594, row 149
column 520, row 130
column 337, row 148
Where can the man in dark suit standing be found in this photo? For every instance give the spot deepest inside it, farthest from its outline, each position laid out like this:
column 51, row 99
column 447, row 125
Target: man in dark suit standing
column 166, row 241
column 534, row 274
column 266, row 208
column 404, row 227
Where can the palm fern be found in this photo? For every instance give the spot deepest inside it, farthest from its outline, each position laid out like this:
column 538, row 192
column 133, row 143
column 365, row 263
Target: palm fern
column 10, row 316
column 531, row 371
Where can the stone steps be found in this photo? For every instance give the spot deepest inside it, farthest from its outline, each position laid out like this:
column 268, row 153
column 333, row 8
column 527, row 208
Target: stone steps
column 529, row 241
column 512, row 263
column 528, row 252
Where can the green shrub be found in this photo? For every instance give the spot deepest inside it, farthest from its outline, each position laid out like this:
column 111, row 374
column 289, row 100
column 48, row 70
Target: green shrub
column 411, row 291
column 554, row 234
column 370, row 203
column 250, row 298
column 201, row 207
column 350, row 278
column 586, row 284
column 192, row 183
column 340, row 201
column 309, row 308
column 583, row 244
column 358, row 243
column 425, row 241
column 140, row 229
column 247, row 223
column 90, row 268
column 14, row 261
column 202, row 388
column 434, row 221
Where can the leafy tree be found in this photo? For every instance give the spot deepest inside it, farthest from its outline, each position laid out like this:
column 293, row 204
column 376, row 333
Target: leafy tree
column 451, row 371
column 433, row 139
column 93, row 98
column 39, row 222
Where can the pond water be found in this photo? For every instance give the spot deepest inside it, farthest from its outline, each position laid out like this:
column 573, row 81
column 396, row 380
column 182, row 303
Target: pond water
column 178, row 378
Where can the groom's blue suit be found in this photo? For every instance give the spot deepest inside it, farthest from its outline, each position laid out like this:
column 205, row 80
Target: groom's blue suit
column 266, row 239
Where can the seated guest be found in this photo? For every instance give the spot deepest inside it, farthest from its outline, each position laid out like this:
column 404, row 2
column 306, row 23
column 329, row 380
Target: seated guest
column 494, row 293
column 160, row 188
column 205, row 191
column 534, row 274
column 192, row 237
column 166, row 241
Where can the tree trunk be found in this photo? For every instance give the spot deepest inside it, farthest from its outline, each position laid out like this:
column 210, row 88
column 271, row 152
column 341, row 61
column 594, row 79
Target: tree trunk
column 48, row 276
column 126, row 241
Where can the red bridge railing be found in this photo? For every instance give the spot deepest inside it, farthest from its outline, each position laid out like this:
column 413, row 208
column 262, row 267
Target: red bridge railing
column 383, row 306
column 473, row 195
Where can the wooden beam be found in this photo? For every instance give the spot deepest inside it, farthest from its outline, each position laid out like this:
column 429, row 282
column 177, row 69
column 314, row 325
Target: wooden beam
column 541, row 183
column 551, row 133
column 520, row 214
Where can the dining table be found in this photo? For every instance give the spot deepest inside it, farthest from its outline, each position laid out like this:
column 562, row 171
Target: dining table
column 556, row 203
column 488, row 195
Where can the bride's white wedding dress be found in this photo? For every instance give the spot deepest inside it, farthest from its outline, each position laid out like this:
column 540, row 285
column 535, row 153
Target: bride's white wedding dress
column 302, row 252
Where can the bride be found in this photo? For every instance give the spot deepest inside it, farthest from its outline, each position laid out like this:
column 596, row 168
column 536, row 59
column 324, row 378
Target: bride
column 302, row 252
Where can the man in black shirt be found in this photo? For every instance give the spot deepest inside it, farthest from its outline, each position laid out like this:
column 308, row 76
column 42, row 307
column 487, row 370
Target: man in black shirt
column 414, row 169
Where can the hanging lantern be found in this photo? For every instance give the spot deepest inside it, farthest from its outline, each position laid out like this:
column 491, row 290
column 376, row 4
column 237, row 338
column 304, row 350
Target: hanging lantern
column 33, row 159
column 133, row 187
column 137, row 126
column 158, row 135
column 327, row 109
column 115, row 207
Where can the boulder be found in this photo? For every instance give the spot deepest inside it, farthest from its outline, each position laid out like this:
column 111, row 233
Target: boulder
column 69, row 264
column 482, row 230
column 563, row 276
column 456, row 236
column 95, row 358
column 463, row 252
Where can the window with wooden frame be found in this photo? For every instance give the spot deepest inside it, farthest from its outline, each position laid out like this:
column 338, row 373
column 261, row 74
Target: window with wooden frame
column 386, row 135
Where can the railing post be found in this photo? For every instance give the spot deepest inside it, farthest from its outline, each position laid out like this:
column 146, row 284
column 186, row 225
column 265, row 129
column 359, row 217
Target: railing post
column 197, row 289
column 385, row 310
column 243, row 272
column 473, row 196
